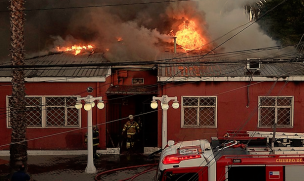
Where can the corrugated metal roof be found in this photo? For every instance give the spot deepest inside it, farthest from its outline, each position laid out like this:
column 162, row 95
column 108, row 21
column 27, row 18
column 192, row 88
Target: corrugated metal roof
column 278, row 69
column 62, row 59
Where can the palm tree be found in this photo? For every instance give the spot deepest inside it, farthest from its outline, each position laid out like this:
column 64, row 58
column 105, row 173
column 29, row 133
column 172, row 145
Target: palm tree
column 254, row 9
column 281, row 20
column 18, row 147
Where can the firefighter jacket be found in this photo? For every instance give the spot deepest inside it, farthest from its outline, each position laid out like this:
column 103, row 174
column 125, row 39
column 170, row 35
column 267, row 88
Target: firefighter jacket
column 131, row 127
column 95, row 137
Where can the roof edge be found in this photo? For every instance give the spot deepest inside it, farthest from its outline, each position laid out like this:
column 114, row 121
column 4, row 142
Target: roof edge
column 229, row 79
column 58, row 79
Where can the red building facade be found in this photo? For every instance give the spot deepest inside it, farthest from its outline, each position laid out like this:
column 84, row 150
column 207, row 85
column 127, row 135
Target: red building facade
column 213, row 99
column 217, row 98
column 53, row 121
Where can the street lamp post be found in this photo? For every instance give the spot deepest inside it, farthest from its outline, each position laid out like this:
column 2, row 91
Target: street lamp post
column 165, row 106
column 89, row 104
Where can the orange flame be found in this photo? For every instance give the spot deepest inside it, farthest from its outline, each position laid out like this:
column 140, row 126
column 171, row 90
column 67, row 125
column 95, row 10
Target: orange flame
column 119, row 39
column 76, row 49
column 188, row 37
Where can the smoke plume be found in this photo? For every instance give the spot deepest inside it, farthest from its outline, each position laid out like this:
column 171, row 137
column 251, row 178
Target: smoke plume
column 137, row 32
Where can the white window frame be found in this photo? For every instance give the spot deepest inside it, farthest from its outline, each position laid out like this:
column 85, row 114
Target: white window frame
column 43, row 114
column 197, row 119
column 276, row 112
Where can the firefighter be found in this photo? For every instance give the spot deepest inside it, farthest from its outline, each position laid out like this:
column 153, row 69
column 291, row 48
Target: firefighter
column 132, row 129
column 95, row 141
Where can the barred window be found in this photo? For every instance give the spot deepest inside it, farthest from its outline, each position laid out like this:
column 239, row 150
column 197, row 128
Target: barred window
column 199, row 112
column 49, row 111
column 275, row 110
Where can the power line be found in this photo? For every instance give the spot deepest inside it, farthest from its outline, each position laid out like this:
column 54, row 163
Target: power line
column 100, row 6
column 105, row 65
column 97, row 124
column 245, row 28
column 221, row 44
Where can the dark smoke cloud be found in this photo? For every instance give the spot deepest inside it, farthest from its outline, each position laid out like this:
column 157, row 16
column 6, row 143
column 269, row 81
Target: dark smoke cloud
column 143, row 28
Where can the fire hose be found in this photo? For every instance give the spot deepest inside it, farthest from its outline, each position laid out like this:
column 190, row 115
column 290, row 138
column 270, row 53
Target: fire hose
column 130, row 167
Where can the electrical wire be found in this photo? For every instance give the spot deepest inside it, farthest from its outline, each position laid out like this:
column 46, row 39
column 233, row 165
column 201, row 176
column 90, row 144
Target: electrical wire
column 237, row 130
column 155, row 85
column 241, row 127
column 108, row 121
column 246, row 122
column 161, row 63
column 100, row 6
column 150, row 86
column 74, row 129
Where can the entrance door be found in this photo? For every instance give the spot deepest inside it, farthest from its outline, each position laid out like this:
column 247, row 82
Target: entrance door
column 149, row 125
column 118, row 110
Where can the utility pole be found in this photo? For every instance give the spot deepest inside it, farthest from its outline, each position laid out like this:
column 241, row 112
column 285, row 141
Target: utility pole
column 18, row 147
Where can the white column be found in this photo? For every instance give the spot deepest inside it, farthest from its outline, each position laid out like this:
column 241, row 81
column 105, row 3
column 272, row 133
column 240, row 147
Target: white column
column 164, row 129
column 90, row 165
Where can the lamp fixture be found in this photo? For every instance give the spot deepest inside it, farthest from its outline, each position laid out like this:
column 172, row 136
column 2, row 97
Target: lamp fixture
column 154, row 104
column 88, row 106
column 100, row 105
column 78, row 105
column 175, row 104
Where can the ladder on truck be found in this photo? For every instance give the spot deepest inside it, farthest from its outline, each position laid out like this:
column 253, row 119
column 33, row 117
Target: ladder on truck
column 285, row 143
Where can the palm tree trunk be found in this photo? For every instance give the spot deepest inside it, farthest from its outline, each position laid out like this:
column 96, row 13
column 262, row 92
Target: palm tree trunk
column 18, row 147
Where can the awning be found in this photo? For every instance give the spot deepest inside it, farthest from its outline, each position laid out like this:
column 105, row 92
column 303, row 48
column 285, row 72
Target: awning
column 132, row 89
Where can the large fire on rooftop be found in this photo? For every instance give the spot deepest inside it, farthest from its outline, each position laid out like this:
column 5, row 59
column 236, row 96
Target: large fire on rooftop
column 188, row 37
column 139, row 35
column 75, row 49
column 136, row 32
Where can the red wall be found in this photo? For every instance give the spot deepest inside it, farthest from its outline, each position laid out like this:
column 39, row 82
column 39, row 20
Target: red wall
column 232, row 113
column 124, row 77
column 70, row 140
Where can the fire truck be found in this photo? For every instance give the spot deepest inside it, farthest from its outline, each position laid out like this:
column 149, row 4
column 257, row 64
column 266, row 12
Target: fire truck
column 237, row 156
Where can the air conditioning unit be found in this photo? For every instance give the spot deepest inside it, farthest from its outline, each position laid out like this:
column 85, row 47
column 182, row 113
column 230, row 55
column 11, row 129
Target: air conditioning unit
column 253, row 63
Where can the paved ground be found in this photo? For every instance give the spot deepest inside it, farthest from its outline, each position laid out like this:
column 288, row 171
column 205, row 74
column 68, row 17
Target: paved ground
column 71, row 168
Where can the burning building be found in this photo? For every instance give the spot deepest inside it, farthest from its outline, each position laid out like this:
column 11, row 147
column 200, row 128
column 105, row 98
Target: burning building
column 140, row 31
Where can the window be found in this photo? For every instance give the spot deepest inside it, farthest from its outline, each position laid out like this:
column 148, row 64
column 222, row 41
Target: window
column 275, row 110
column 49, row 111
column 138, row 81
column 199, row 112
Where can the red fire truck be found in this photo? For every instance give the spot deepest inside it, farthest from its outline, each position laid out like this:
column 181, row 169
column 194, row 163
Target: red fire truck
column 237, row 156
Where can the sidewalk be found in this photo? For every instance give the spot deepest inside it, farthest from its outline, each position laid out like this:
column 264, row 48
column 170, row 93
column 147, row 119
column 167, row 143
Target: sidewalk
column 72, row 168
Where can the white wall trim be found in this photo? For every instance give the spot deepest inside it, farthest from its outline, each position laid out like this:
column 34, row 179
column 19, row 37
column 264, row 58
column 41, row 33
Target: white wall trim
column 58, row 79
column 109, row 72
column 208, row 79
